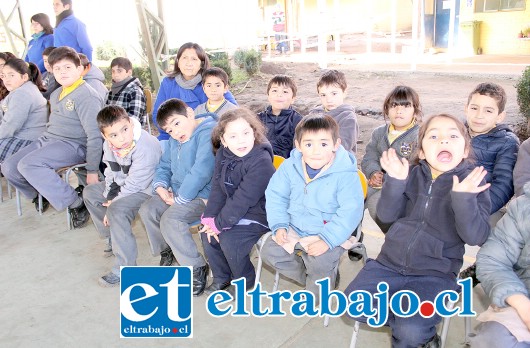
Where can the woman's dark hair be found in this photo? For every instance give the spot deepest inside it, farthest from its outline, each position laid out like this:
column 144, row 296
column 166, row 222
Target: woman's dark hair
column 205, row 61
column 233, row 115
column 44, row 21
column 30, row 69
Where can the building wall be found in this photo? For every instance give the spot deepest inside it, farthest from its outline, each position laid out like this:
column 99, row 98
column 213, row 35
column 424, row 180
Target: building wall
column 498, row 30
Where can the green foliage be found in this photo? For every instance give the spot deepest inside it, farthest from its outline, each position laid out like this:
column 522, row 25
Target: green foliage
column 108, row 51
column 523, row 93
column 252, row 62
column 143, row 73
column 239, row 58
column 220, row 60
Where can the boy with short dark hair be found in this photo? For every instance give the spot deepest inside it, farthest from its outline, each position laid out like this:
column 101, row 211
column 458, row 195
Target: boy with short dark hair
column 127, row 91
column 72, row 137
column 182, row 183
column 331, row 88
column 47, row 77
column 215, row 85
column 93, row 76
column 280, row 118
column 131, row 155
column 313, row 205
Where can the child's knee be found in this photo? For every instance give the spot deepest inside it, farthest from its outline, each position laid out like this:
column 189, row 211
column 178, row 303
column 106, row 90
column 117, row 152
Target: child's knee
column 412, row 333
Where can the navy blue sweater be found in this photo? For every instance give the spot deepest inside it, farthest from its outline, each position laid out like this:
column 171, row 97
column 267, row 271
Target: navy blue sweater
column 280, row 129
column 431, row 223
column 497, row 152
column 238, row 186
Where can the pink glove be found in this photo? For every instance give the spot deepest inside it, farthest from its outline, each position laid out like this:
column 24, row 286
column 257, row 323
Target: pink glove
column 209, row 221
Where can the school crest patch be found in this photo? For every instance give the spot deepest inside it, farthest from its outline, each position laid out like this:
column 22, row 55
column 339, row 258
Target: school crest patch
column 406, row 149
column 69, row 105
column 4, row 107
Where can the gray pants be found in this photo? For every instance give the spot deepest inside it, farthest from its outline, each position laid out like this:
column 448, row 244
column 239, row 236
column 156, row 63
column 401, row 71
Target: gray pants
column 169, row 225
column 32, row 170
column 303, row 269
column 120, row 214
column 492, row 334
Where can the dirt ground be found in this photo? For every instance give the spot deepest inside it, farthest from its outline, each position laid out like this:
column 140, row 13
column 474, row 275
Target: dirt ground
column 439, row 92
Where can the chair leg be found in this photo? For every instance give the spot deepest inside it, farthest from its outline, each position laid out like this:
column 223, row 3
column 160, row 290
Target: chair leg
column 276, row 281
column 2, row 190
column 9, row 190
column 467, row 330
column 40, row 204
column 353, row 341
column 19, row 204
column 259, row 246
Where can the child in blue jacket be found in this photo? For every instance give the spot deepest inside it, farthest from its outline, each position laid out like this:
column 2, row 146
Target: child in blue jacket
column 182, row 182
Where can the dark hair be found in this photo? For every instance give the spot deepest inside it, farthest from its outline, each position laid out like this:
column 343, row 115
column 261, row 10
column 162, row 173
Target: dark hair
column 44, row 21
column 282, row 80
column 315, row 123
column 109, row 115
column 84, row 60
column 491, row 90
column 48, row 50
column 169, row 108
column 122, row 62
column 30, row 69
column 425, row 125
column 67, row 2
column 64, row 53
column 233, row 115
column 215, row 72
column 403, row 95
column 332, row 77
column 5, row 56
column 205, row 61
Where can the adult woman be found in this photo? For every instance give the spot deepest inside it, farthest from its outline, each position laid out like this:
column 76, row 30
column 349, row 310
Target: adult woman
column 23, row 113
column 184, row 82
column 42, row 37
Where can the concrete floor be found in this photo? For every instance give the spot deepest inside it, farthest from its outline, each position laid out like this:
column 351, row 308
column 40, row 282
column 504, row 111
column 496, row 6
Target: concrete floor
column 50, row 297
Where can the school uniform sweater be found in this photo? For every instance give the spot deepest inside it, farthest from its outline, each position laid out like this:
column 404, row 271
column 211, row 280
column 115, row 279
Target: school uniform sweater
column 238, row 186
column 280, row 129
column 431, row 223
column 348, row 126
column 203, row 108
column 74, row 119
column 24, row 113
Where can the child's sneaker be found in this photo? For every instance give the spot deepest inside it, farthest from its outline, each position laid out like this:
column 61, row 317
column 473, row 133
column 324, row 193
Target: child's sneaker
column 109, row 280
column 79, row 216
column 166, row 257
column 45, row 203
column 471, row 272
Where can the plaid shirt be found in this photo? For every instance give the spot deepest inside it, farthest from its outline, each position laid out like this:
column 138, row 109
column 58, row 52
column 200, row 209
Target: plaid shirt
column 131, row 97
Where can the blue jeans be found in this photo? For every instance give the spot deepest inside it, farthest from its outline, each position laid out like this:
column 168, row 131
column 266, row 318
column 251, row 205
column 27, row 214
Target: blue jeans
column 406, row 332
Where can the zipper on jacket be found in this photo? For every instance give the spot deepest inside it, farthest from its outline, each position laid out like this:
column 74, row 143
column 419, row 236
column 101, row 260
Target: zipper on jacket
column 413, row 239
column 178, row 156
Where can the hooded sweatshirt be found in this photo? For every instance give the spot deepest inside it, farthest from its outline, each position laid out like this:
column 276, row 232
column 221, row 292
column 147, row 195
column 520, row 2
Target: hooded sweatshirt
column 348, row 126
column 95, row 78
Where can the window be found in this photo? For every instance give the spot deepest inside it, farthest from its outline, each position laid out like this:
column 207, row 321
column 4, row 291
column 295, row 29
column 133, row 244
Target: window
column 498, row 5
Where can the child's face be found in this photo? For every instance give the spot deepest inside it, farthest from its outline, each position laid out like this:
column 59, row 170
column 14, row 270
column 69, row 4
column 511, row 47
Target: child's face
column 13, row 79
column 238, row 137
column 189, row 63
column 317, row 148
column 401, row 115
column 66, row 73
column 180, row 127
column 46, row 64
column 482, row 114
column 214, row 88
column 119, row 74
column 331, row 96
column 280, row 97
column 443, row 146
column 120, row 134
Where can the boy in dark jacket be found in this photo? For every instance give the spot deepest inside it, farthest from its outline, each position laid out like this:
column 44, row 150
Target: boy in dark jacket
column 280, row 118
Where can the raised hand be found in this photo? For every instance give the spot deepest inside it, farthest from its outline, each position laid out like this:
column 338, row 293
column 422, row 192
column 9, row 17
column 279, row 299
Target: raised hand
column 394, row 166
column 472, row 181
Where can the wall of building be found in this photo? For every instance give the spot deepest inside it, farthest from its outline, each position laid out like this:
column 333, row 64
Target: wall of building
column 499, row 30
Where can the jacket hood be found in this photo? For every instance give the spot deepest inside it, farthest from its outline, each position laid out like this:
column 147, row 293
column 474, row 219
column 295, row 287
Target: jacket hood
column 95, row 73
column 344, row 161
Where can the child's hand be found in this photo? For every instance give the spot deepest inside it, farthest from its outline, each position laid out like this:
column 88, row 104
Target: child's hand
column 471, row 182
column 166, row 196
column 394, row 166
column 107, row 203
column 281, row 236
column 106, row 221
column 317, row 248
column 92, row 178
column 376, row 180
column 209, row 233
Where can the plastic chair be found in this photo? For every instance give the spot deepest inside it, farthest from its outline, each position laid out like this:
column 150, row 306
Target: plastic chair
column 65, row 173
column 277, row 161
column 149, row 107
column 9, row 192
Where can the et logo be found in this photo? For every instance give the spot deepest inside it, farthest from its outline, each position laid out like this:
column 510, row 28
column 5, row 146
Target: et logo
column 156, row 302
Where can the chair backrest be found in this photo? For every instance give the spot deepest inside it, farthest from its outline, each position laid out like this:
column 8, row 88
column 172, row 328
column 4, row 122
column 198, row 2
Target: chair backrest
column 364, row 182
column 277, row 161
column 148, row 101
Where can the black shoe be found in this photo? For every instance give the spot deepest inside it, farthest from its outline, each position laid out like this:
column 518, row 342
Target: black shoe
column 79, row 216
column 470, row 272
column 200, row 276
column 352, row 254
column 434, row 342
column 337, row 280
column 216, row 286
column 45, row 203
column 79, row 189
column 166, row 257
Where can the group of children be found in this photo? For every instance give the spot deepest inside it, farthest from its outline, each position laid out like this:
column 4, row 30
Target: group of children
column 217, row 168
